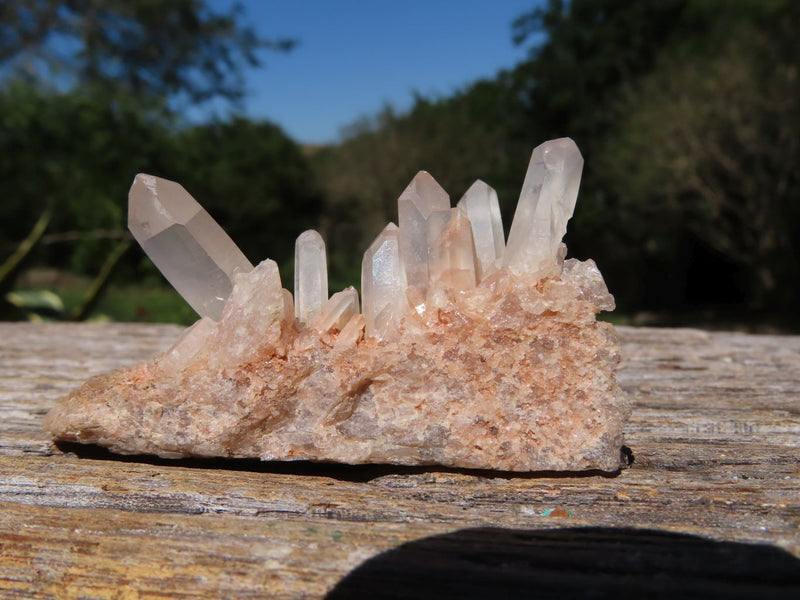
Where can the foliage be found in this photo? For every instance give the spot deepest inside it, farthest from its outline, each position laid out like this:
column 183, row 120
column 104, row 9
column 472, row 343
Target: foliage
column 65, row 293
column 143, row 48
column 249, row 175
column 253, row 179
column 88, row 100
column 584, row 52
column 78, row 153
column 718, row 131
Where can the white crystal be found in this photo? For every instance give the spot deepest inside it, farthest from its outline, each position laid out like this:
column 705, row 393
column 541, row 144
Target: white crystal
column 338, row 310
column 483, row 209
column 451, row 255
column 310, row 276
column 189, row 248
column 383, row 285
column 288, row 306
column 545, row 205
column 351, row 333
column 422, row 197
column 591, row 283
column 193, row 340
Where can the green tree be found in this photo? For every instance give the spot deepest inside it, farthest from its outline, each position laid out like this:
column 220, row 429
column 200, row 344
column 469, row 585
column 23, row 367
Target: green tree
column 584, row 52
column 89, row 97
column 253, row 179
column 708, row 142
column 144, row 48
column 77, row 153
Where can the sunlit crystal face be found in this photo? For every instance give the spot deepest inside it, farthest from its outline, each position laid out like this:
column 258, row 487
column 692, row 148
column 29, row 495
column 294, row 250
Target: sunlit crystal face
column 189, row 248
column 337, row 311
column 483, row 211
column 383, row 284
column 546, row 203
column 310, row 276
column 451, row 253
column 422, row 197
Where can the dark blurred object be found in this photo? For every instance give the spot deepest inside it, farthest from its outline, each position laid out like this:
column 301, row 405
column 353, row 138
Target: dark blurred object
column 586, row 563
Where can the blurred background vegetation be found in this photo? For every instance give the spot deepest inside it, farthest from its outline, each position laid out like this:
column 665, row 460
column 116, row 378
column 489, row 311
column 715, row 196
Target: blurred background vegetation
column 687, row 113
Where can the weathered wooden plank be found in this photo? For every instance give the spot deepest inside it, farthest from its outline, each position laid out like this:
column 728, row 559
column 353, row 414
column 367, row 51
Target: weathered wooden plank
column 715, row 437
column 60, row 553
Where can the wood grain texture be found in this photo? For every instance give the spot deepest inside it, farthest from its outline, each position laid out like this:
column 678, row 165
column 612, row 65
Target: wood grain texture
column 712, row 496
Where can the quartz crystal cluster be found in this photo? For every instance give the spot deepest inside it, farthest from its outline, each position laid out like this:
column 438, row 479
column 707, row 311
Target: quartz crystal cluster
column 465, row 350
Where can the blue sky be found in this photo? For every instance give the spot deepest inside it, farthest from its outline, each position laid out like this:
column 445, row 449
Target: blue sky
column 354, row 57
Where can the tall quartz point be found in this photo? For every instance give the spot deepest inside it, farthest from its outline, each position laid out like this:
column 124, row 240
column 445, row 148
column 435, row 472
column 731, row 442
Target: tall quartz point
column 451, row 258
column 545, row 205
column 483, row 209
column 421, row 197
column 310, row 276
column 189, row 248
column 383, row 285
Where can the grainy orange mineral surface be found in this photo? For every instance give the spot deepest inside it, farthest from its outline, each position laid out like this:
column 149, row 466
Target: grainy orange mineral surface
column 514, row 374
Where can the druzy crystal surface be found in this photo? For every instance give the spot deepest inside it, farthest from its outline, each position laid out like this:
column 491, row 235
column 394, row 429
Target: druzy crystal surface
column 466, row 352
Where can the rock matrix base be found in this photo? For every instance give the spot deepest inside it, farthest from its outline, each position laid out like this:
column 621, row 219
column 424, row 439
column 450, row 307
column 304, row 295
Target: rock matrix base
column 465, row 352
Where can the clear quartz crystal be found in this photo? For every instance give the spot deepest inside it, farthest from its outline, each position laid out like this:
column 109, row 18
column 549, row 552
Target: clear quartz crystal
column 422, row 197
column 483, row 209
column 545, row 205
column 350, row 333
column 193, row 340
column 310, row 276
column 337, row 311
column 288, row 306
column 451, row 257
column 383, row 285
column 189, row 248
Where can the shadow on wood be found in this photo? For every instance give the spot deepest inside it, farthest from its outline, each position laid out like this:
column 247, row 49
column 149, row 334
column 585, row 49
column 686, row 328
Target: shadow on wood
column 573, row 563
column 339, row 471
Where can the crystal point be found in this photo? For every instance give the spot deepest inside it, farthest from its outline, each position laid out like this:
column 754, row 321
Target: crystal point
column 421, row 197
column 337, row 311
column 451, row 257
column 310, row 276
column 545, row 205
column 383, row 285
column 193, row 340
column 350, row 333
column 483, row 209
column 189, row 248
